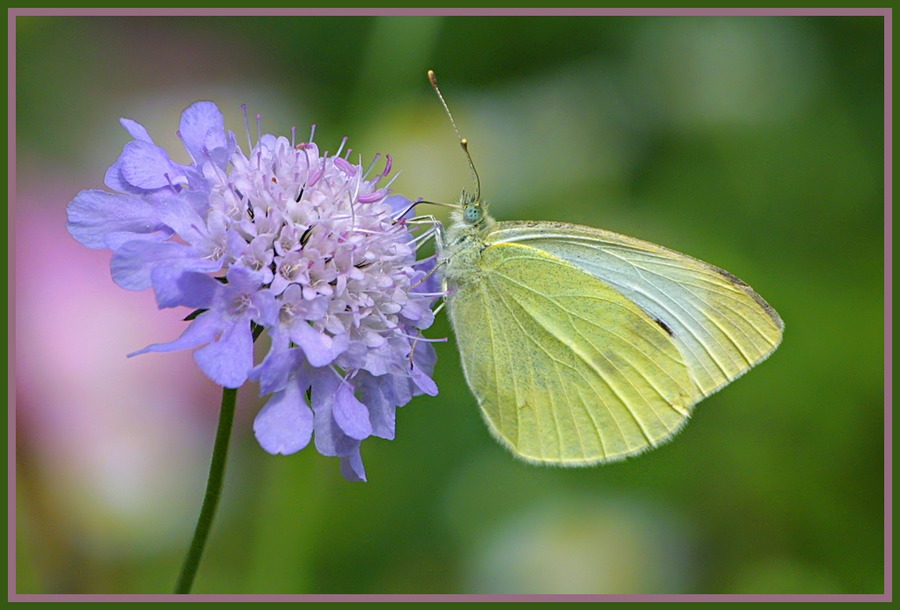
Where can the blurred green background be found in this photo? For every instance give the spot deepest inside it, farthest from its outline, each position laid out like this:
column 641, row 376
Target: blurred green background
column 752, row 143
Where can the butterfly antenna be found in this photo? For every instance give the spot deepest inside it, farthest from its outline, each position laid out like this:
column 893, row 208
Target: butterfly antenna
column 464, row 143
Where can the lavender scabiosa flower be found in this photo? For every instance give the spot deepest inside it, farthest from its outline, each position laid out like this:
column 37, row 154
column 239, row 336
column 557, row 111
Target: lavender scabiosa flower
column 308, row 247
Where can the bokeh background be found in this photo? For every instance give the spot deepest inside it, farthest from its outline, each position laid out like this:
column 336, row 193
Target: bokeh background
column 753, row 143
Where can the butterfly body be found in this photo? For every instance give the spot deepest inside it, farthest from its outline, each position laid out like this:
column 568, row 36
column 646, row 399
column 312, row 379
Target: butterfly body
column 585, row 346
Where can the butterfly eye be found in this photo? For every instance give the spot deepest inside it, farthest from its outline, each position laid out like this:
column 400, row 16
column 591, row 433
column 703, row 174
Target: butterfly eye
column 473, row 213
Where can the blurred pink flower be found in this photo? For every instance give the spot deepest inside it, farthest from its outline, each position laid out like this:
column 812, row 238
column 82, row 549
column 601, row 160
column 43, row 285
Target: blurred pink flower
column 107, row 442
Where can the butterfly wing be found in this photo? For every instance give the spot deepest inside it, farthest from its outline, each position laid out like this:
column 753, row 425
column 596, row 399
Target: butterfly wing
column 721, row 326
column 566, row 369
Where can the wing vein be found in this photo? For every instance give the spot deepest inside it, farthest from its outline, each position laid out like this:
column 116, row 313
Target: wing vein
column 525, row 333
column 613, row 387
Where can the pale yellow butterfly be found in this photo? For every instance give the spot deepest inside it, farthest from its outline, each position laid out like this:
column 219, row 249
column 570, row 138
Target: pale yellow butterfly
column 585, row 346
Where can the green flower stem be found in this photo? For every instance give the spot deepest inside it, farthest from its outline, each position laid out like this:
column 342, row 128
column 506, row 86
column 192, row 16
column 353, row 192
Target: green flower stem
column 213, row 492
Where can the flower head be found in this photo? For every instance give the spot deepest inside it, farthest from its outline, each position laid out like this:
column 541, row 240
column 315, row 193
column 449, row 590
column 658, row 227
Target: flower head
column 305, row 246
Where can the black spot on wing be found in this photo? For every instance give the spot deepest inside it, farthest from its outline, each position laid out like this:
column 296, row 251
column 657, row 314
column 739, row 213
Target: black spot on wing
column 664, row 326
